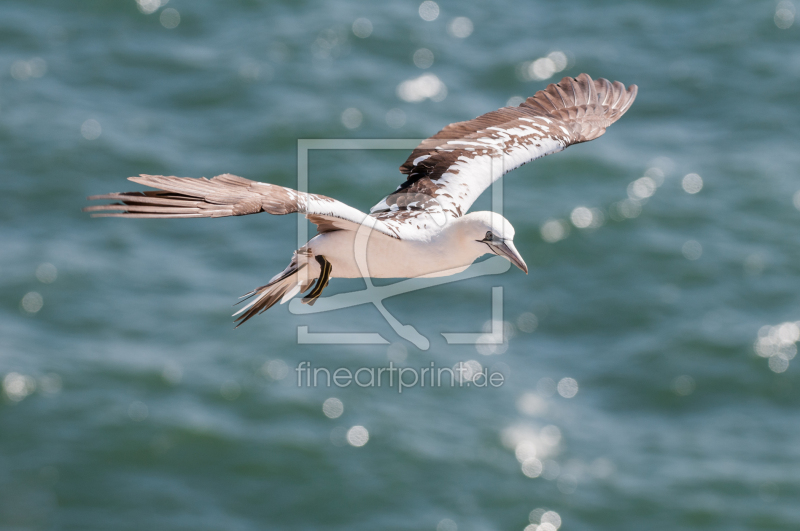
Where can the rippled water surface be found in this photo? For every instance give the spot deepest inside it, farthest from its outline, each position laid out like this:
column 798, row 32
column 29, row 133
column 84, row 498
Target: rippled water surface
column 649, row 378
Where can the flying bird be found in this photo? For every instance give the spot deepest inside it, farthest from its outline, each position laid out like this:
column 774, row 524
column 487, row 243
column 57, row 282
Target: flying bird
column 422, row 229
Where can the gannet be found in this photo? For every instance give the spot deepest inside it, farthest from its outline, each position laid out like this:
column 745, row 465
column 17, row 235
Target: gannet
column 422, row 229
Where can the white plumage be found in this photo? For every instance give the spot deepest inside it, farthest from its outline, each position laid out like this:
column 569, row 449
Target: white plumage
column 420, row 230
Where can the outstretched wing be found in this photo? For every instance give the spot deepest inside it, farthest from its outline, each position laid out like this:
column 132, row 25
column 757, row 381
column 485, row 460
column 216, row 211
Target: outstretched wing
column 449, row 171
column 229, row 195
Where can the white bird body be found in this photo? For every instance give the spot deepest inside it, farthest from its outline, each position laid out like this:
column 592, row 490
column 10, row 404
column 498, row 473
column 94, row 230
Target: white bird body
column 422, row 229
column 440, row 251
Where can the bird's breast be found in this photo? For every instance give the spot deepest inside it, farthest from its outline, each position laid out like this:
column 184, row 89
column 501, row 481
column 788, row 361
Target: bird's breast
column 380, row 256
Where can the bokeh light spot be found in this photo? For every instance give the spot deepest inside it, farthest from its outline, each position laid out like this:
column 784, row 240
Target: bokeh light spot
column 32, row 302
column 460, row 27
column 683, row 385
column 567, row 387
column 362, row 28
column 17, row 386
column 554, row 230
column 395, row 118
column 546, row 387
column 275, row 369
column 91, row 130
column 551, row 517
column 692, row 250
column 527, row 322
column 429, row 10
column 642, row 188
column 352, row 118
column 357, row 436
column 333, row 408
column 423, row 58
column 149, row 6
column 581, row 217
column 170, row 18
column 532, row 404
column 46, row 273
column 172, row 373
column 427, row 86
column 532, row 467
column 784, row 14
column 692, row 183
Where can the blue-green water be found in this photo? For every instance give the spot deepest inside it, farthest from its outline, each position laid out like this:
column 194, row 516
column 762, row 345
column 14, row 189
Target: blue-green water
column 129, row 402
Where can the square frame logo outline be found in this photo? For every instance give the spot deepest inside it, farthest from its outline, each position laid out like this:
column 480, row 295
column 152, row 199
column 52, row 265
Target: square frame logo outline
column 376, row 294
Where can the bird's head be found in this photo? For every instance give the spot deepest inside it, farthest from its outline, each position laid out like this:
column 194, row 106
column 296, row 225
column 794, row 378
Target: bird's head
column 489, row 232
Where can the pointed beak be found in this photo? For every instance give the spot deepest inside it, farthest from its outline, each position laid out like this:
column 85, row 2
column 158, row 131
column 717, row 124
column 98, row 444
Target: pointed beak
column 507, row 250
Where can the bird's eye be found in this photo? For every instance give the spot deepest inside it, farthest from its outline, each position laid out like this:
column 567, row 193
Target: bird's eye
column 489, row 236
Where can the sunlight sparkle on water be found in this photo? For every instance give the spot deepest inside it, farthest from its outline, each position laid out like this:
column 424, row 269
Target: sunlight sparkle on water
column 150, row 6
column 554, row 230
column 275, row 369
column 532, row 404
column 642, row 188
column 532, row 467
column 692, row 183
column 395, row 118
column 779, row 344
column 357, row 436
column 542, row 68
column 91, row 130
column 333, row 408
column 427, row 86
column 362, row 28
column 397, row 352
column 587, row 218
column 657, row 174
column 32, row 302
column 352, row 118
column 784, row 14
column 683, row 385
column 546, row 387
column 46, row 273
column 17, row 386
column 567, row 387
column 429, row 11
column 626, row 209
column 423, row 58
column 22, row 70
column 460, row 27
column 527, row 322
column 527, row 442
column 692, row 250
column 170, row 18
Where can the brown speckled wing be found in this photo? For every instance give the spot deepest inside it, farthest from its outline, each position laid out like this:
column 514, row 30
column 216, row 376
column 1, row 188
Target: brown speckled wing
column 227, row 195
column 449, row 171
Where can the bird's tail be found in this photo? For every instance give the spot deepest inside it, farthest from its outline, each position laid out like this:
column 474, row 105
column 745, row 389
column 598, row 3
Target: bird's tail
column 296, row 278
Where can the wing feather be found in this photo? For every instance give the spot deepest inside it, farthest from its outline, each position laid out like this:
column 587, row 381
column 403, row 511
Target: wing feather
column 229, row 195
column 447, row 172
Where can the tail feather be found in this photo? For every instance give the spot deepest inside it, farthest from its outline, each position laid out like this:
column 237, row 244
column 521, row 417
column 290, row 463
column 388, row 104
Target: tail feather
column 282, row 287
